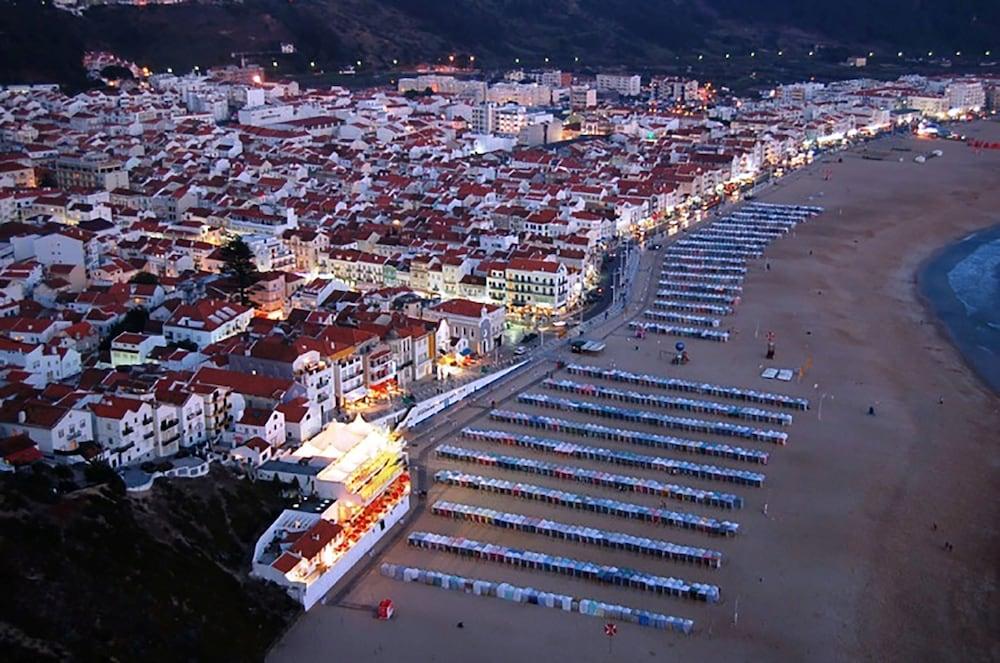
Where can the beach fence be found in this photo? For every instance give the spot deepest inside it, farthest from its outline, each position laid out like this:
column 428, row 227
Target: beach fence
column 591, row 536
column 691, row 307
column 582, row 502
column 531, row 596
column 671, row 402
column 655, row 418
column 631, row 459
column 682, row 318
column 619, row 482
column 690, row 386
column 680, row 331
column 707, row 267
column 566, row 566
column 640, row 438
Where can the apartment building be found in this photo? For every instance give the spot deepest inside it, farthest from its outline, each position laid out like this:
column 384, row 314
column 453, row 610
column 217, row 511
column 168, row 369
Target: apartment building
column 125, row 429
column 206, row 322
column 89, row 171
column 624, row 84
column 480, row 324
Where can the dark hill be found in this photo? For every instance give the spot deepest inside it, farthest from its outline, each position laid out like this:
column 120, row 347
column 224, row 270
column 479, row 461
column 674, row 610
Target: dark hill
column 94, row 575
column 38, row 42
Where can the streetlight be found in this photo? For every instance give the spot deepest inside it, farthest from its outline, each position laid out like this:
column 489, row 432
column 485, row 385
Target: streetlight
column 517, row 60
column 546, row 60
column 930, row 54
column 312, row 64
column 958, row 54
column 274, row 63
column 753, row 54
column 810, row 53
column 871, row 54
column 395, row 62
column 170, row 70
column 727, row 56
column 700, row 56
column 900, row 54
column 359, row 63
column 472, row 58
column 780, row 53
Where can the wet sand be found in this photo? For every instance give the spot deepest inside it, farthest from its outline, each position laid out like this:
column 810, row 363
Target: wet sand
column 847, row 565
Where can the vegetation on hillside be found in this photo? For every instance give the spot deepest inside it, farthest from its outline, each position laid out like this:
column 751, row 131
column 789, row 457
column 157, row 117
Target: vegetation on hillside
column 38, row 42
column 91, row 574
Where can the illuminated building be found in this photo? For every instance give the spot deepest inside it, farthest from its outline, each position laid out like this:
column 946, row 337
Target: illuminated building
column 358, row 470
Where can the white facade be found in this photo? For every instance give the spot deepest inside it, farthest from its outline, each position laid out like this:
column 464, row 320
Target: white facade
column 625, row 85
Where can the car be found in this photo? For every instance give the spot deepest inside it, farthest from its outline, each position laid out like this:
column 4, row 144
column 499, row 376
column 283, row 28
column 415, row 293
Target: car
column 520, row 350
column 656, row 247
column 529, row 338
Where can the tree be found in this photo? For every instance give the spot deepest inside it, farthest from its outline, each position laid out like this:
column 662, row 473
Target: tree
column 239, row 265
column 134, row 321
column 145, row 278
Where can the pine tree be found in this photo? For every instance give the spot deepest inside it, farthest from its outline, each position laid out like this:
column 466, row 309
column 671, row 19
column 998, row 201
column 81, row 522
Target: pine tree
column 239, row 265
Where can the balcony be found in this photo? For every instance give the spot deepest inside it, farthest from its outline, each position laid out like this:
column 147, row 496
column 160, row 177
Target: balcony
column 168, row 424
column 128, row 430
column 147, row 421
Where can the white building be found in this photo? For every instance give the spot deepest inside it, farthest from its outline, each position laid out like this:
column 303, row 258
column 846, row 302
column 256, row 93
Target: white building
column 625, row 85
column 125, row 429
column 482, row 325
column 206, row 322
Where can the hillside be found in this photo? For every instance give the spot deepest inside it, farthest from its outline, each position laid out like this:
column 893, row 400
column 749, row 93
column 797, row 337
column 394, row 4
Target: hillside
column 38, row 42
column 95, row 575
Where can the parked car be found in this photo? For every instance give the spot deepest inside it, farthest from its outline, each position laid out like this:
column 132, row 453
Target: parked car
column 520, row 350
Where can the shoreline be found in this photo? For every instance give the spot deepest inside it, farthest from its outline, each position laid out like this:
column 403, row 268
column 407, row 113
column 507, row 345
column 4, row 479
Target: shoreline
column 948, row 313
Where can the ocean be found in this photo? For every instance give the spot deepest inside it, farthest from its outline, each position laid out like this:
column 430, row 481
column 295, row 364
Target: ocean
column 962, row 285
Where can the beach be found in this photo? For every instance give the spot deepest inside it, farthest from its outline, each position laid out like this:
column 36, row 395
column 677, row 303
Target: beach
column 849, row 561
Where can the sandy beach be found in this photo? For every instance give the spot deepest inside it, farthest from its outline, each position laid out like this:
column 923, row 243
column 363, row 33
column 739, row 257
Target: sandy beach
column 849, row 562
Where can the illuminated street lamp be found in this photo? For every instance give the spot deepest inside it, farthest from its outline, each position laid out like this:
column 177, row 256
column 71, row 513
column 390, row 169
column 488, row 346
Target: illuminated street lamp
column 900, row 54
column 871, row 54
column 810, row 53
column 700, row 56
column 359, row 63
column 395, row 61
column 780, row 53
column 312, row 64
column 274, row 63
column 727, row 56
column 546, row 59
column 753, row 54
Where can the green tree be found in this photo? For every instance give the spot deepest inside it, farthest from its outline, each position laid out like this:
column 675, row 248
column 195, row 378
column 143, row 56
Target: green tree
column 145, row 278
column 239, row 265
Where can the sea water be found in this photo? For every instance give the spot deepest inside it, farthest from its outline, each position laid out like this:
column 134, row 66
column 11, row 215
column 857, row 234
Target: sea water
column 962, row 284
